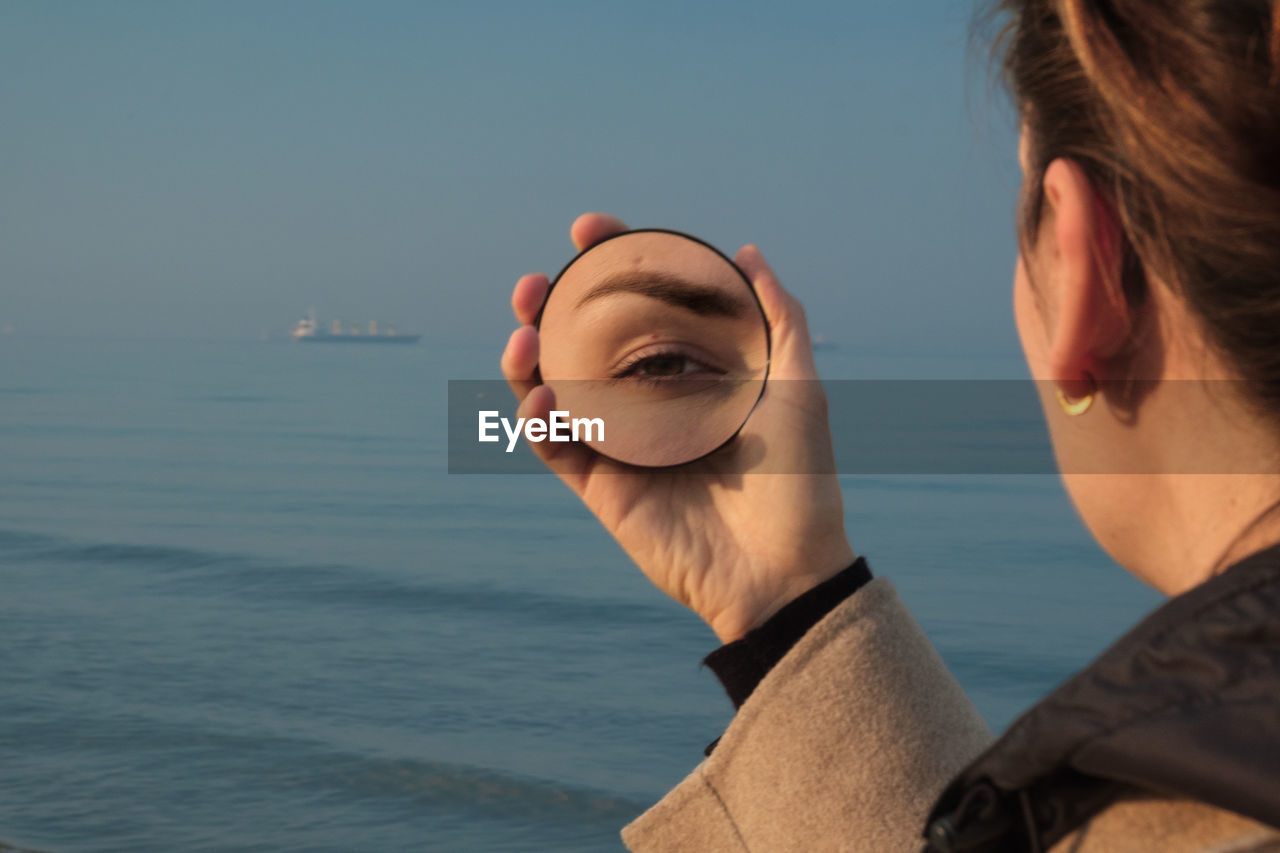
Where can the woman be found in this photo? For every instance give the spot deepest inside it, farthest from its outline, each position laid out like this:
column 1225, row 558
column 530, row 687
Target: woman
column 1150, row 235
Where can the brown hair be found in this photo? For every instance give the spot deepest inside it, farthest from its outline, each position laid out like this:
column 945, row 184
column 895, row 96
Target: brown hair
column 1172, row 107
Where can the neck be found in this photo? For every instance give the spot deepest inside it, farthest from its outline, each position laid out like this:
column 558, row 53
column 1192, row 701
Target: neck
column 1216, row 497
column 1224, row 518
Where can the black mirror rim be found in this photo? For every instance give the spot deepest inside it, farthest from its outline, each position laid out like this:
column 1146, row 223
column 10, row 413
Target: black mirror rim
column 764, row 321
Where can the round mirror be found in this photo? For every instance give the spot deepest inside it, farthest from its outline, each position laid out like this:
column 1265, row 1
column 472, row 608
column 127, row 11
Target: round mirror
column 659, row 337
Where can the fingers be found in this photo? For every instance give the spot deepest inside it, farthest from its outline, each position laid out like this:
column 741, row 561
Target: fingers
column 531, row 290
column 792, row 353
column 527, row 298
column 520, row 360
column 590, row 228
column 570, row 461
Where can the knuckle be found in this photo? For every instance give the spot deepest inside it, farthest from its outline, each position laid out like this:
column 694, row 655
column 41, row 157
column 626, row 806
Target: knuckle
column 798, row 314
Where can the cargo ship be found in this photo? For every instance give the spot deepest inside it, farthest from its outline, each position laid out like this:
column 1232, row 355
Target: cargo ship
column 309, row 331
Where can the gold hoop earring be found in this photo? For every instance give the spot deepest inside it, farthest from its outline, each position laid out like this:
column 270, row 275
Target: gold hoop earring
column 1073, row 408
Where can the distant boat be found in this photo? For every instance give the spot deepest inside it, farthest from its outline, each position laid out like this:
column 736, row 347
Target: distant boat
column 820, row 342
column 309, row 331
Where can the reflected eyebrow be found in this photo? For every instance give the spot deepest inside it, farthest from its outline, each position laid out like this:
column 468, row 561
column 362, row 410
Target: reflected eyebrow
column 671, row 289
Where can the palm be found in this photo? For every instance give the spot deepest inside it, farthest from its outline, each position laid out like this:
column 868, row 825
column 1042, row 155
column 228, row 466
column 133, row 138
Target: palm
column 723, row 529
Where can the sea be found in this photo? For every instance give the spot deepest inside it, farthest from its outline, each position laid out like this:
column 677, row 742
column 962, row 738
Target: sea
column 245, row 607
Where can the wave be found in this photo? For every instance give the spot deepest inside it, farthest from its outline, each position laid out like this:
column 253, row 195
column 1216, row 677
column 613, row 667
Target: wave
column 476, row 789
column 296, row 763
column 34, row 547
column 331, row 584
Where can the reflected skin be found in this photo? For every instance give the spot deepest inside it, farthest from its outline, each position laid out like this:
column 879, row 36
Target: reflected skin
column 660, row 337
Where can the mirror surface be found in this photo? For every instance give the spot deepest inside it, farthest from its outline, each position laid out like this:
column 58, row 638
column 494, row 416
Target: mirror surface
column 661, row 337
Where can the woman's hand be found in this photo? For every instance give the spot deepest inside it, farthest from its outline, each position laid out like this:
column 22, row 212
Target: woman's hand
column 731, row 545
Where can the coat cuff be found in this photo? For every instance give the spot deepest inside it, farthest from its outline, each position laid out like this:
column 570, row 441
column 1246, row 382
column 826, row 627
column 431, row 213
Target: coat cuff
column 741, row 665
column 843, row 745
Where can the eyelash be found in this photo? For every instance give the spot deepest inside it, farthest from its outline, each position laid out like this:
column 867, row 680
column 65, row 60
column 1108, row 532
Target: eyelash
column 628, row 368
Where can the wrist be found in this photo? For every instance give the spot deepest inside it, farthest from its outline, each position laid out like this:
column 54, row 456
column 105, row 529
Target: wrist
column 741, row 665
column 750, row 612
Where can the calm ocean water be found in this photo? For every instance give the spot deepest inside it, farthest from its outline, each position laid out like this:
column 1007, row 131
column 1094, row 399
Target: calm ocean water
column 244, row 608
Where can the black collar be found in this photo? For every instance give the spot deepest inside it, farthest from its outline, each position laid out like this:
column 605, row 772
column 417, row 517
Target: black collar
column 1187, row 704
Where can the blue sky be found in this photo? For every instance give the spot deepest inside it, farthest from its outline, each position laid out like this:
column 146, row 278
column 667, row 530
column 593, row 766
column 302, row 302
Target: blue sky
column 214, row 168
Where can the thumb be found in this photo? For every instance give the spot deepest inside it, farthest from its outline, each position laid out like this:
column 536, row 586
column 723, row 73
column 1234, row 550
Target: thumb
column 791, row 355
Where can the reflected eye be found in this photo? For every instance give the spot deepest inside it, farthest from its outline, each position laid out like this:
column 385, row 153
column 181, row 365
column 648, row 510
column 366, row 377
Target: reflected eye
column 656, row 365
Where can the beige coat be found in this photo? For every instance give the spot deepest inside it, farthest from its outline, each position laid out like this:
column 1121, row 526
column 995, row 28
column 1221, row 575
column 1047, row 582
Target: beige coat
column 847, row 742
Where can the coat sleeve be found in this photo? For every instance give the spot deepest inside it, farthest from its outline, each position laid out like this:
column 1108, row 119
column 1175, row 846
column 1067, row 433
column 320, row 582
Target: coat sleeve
column 843, row 746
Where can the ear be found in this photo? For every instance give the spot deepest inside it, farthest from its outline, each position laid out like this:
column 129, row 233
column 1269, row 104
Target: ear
column 1091, row 322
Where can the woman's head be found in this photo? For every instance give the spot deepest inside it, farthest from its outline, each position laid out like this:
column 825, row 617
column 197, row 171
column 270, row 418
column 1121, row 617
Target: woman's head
column 1172, row 109
column 1150, row 215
